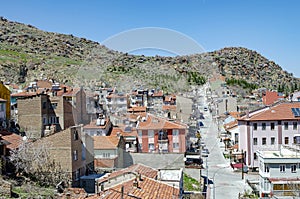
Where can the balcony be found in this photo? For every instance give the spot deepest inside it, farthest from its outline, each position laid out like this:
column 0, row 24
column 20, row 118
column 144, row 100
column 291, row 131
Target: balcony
column 162, row 137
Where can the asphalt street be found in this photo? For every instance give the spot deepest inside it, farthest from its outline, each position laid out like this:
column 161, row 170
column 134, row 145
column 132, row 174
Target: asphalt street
column 224, row 182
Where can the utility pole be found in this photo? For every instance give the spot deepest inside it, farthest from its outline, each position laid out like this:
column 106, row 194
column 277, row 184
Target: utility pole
column 242, row 164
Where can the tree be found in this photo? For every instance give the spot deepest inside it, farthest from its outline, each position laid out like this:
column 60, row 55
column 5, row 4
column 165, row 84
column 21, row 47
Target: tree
column 32, row 159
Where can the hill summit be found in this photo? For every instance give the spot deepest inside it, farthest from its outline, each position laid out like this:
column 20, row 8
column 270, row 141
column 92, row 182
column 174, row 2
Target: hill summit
column 27, row 53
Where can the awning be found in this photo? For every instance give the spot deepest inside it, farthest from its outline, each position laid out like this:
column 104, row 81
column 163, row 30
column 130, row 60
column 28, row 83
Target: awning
column 236, row 165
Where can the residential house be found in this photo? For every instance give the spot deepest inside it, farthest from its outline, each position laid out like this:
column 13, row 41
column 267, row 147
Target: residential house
column 296, row 96
column 267, row 129
column 157, row 134
column 183, row 108
column 5, row 95
column 99, row 127
column 41, row 112
column 138, row 97
column 155, row 100
column 140, row 181
column 8, row 141
column 129, row 134
column 72, row 150
column 270, row 97
column 116, row 102
column 109, row 152
column 140, row 188
column 279, row 172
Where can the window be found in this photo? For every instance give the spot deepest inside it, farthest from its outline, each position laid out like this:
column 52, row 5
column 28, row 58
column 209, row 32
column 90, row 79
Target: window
column 53, row 105
column 75, row 155
column 295, row 125
column 175, row 145
column 151, row 147
column 175, row 132
column 83, row 156
column 77, row 174
column 254, row 141
column 254, row 156
column 75, row 135
column 254, row 126
column 272, row 140
column 272, row 126
column 263, row 126
column 267, row 169
column 286, row 140
column 44, row 120
column 264, row 141
column 57, row 120
column 1, row 107
column 293, row 168
column 282, row 168
column 286, row 125
column 150, row 133
column 106, row 155
column 44, row 105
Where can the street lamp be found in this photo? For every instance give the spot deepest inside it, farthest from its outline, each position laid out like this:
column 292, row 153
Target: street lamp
column 214, row 196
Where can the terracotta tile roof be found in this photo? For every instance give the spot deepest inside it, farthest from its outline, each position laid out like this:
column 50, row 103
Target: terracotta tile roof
column 231, row 125
column 14, row 140
column 153, row 122
column 76, row 193
column 169, row 98
column 281, row 111
column 235, row 114
column 147, row 188
column 137, row 109
column 106, row 142
column 159, row 93
column 169, row 107
column 71, row 92
column 92, row 124
column 24, row 94
column 120, row 129
column 136, row 169
column 284, row 179
column 2, row 100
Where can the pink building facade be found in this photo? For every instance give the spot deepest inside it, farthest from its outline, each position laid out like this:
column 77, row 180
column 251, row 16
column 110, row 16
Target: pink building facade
column 268, row 129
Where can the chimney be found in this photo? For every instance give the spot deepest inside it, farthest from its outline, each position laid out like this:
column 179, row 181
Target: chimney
column 65, row 89
column 122, row 192
column 136, row 183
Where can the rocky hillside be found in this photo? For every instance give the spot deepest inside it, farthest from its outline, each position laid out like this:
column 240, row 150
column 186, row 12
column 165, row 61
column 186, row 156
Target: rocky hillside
column 27, row 53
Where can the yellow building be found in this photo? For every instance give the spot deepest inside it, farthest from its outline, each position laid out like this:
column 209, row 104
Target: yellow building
column 5, row 94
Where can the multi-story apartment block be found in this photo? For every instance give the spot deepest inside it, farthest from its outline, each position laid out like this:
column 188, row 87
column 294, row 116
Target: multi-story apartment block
column 279, row 172
column 156, row 134
column 267, row 129
column 41, row 113
column 116, row 102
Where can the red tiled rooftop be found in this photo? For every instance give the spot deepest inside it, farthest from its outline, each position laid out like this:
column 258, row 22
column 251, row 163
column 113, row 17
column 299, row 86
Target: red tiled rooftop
column 147, row 188
column 14, row 140
column 136, row 168
column 169, row 107
column 120, row 129
column 281, row 111
column 106, row 142
column 153, row 122
column 137, row 109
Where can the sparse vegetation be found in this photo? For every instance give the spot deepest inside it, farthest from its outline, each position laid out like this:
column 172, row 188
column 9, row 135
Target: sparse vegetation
column 190, row 184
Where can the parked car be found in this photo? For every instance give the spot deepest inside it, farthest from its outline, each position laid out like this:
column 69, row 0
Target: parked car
column 193, row 161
